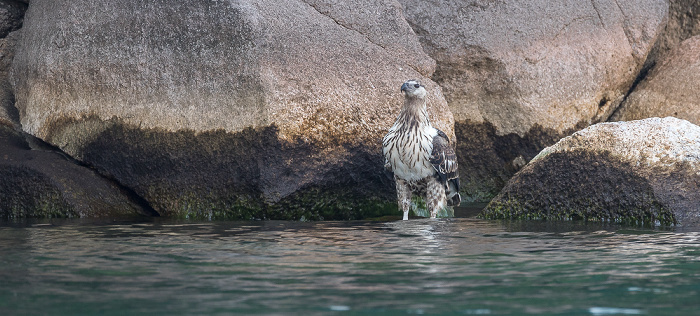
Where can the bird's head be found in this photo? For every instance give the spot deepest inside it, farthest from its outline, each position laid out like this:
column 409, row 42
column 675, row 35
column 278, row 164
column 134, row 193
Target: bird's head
column 413, row 89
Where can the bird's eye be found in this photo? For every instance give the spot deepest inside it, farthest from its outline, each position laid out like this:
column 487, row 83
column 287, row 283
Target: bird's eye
column 416, row 85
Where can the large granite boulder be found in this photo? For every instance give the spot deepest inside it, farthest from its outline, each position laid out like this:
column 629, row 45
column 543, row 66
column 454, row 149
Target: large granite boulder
column 672, row 87
column 238, row 109
column 38, row 181
column 518, row 75
column 645, row 171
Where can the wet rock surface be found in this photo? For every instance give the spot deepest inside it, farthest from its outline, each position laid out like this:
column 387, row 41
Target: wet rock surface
column 645, row 171
column 38, row 181
column 251, row 174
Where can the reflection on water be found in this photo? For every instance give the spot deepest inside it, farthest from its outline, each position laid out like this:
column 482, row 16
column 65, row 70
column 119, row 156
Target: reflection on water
column 446, row 266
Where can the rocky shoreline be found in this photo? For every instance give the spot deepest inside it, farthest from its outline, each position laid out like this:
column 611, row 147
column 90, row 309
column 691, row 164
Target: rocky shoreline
column 643, row 172
column 275, row 109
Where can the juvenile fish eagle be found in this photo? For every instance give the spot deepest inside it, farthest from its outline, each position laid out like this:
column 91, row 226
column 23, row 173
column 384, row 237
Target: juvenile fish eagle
column 419, row 156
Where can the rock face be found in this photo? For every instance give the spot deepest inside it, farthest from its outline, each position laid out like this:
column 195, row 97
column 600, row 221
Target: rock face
column 683, row 23
column 11, row 14
column 642, row 171
column 276, row 109
column 8, row 112
column 519, row 75
column 245, row 109
column 672, row 87
column 37, row 181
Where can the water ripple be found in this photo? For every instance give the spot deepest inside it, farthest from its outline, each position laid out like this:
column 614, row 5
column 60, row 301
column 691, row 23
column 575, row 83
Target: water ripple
column 450, row 266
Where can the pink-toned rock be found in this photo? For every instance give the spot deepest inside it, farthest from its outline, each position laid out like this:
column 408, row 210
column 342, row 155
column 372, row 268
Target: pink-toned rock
column 683, row 23
column 672, row 87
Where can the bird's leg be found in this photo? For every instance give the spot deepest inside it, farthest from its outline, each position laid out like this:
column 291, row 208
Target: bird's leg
column 403, row 192
column 436, row 197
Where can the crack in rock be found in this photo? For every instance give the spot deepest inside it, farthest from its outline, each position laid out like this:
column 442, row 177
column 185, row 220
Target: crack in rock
column 628, row 35
column 367, row 37
column 600, row 17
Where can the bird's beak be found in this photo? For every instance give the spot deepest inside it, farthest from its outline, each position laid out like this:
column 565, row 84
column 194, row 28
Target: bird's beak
column 404, row 87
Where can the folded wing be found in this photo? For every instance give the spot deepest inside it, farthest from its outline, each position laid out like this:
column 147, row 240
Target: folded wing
column 444, row 161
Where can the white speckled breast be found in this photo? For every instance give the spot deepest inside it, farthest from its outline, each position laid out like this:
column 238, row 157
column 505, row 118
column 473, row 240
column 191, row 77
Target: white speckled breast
column 408, row 151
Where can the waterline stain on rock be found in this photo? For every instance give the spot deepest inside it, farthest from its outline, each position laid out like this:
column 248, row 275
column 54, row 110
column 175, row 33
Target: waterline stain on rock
column 40, row 181
column 251, row 174
column 580, row 185
column 487, row 160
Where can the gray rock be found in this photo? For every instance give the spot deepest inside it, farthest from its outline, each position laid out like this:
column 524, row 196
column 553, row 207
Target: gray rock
column 672, row 87
column 683, row 23
column 518, row 75
column 11, row 13
column 645, row 171
column 38, row 181
column 251, row 109
column 8, row 111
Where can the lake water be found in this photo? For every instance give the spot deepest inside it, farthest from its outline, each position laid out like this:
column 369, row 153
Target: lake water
column 458, row 266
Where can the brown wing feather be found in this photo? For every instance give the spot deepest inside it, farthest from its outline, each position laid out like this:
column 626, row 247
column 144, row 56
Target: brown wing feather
column 443, row 157
column 444, row 161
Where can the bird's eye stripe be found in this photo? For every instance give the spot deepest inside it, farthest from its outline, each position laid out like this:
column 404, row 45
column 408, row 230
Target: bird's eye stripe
column 416, row 85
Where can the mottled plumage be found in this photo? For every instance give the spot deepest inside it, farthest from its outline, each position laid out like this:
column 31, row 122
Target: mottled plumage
column 419, row 156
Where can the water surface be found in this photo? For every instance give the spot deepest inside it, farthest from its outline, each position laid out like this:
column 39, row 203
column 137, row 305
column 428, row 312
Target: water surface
column 446, row 266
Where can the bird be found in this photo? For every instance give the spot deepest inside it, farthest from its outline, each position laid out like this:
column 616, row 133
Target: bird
column 420, row 157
